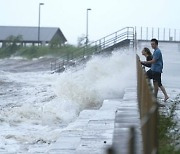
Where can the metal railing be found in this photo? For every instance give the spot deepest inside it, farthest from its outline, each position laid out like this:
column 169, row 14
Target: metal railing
column 122, row 38
column 162, row 34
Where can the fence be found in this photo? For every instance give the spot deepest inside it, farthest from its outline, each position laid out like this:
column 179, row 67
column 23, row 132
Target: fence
column 148, row 111
column 162, row 34
column 123, row 37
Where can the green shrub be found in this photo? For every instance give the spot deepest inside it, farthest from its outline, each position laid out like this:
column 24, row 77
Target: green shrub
column 36, row 52
column 169, row 131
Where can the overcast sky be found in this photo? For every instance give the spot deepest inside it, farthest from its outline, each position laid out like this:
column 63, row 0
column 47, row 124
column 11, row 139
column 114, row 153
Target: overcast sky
column 106, row 16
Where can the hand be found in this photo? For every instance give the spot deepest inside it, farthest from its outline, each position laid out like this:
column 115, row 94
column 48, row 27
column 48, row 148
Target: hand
column 143, row 62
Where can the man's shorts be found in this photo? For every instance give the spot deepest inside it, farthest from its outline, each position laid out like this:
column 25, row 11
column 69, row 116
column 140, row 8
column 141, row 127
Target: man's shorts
column 156, row 76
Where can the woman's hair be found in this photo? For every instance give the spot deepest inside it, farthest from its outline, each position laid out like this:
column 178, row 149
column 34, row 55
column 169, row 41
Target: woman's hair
column 148, row 51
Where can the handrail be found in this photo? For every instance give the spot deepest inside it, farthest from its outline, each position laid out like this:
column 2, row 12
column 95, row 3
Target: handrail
column 125, row 28
column 162, row 34
column 95, row 47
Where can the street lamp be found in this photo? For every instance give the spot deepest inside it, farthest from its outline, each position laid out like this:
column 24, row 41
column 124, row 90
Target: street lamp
column 39, row 21
column 87, row 26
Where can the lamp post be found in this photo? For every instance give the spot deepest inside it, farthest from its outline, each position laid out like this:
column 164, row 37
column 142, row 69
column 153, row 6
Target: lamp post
column 39, row 21
column 87, row 26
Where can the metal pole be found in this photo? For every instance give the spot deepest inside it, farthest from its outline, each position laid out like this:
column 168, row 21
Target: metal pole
column 127, row 32
column 164, row 34
column 87, row 25
column 115, row 38
column 147, row 33
column 132, row 140
column 174, row 34
column 135, row 40
column 39, row 21
column 152, row 32
column 158, row 33
column 141, row 33
column 110, row 151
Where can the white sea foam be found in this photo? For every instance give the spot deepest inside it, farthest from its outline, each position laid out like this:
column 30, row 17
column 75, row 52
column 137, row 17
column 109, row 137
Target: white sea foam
column 103, row 77
column 37, row 103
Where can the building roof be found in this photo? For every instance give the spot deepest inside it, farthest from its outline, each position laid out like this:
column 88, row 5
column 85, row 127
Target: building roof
column 30, row 34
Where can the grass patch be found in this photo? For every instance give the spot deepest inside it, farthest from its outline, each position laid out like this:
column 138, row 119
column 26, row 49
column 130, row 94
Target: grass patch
column 66, row 52
column 169, row 131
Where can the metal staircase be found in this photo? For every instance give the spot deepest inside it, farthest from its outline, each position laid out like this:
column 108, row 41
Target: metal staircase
column 122, row 38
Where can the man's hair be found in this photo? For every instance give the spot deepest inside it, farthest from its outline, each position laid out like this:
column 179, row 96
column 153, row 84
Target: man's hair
column 154, row 40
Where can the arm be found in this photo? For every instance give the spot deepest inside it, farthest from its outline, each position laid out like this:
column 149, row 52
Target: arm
column 156, row 56
column 145, row 64
column 150, row 62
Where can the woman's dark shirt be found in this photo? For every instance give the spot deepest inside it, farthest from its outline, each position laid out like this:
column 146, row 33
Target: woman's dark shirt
column 148, row 58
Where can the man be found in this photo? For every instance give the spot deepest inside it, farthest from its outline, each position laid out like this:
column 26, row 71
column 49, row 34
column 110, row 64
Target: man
column 157, row 67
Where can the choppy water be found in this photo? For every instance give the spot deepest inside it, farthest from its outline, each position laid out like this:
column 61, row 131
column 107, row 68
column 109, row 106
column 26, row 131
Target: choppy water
column 35, row 105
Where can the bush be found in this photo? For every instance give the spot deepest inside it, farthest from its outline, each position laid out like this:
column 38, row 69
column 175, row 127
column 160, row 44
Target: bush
column 36, row 52
column 169, row 131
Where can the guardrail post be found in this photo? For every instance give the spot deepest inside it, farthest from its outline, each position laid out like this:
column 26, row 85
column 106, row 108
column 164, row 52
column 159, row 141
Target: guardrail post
column 135, row 39
column 110, row 150
column 132, row 149
column 127, row 32
column 115, row 39
column 146, row 33
column 174, row 34
column 104, row 43
column 152, row 32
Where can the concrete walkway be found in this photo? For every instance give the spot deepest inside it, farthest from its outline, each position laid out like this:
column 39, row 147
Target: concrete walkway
column 95, row 130
column 127, row 115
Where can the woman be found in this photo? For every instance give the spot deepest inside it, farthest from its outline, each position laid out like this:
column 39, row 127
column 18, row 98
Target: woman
column 147, row 53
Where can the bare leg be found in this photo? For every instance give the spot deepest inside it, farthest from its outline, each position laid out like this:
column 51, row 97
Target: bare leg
column 164, row 92
column 155, row 88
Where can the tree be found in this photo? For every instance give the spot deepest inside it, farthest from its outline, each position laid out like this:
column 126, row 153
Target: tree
column 81, row 40
column 13, row 40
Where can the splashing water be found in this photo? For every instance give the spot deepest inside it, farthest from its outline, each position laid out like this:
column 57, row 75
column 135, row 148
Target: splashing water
column 35, row 104
column 103, row 77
